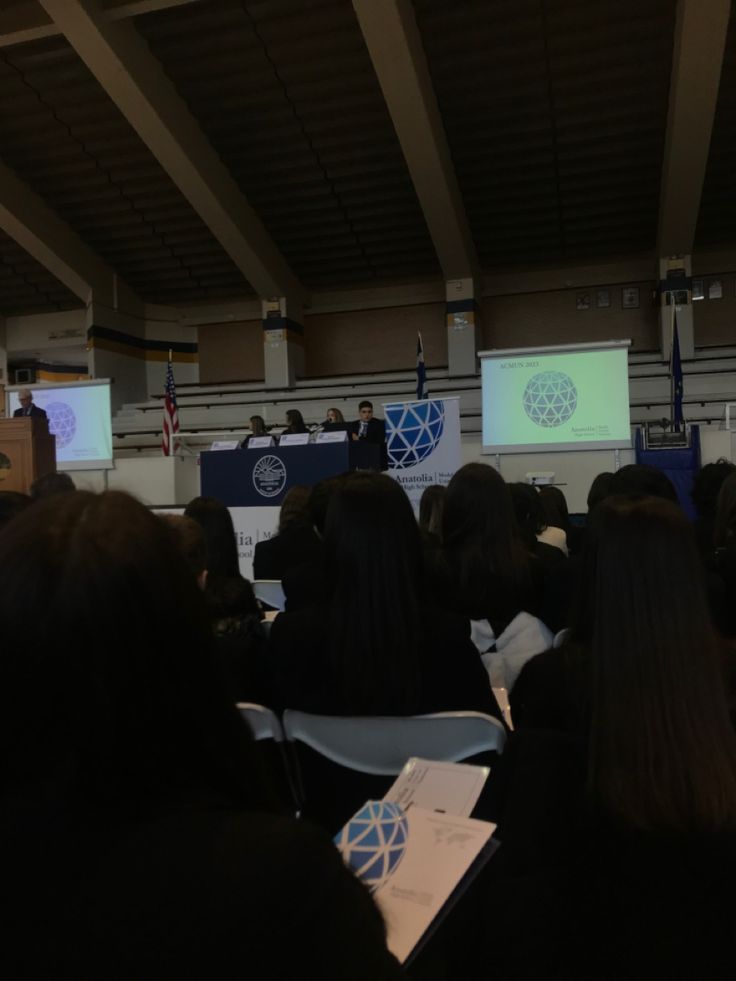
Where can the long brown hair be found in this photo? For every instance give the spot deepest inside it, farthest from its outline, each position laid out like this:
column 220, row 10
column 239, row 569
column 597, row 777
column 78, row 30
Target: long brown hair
column 725, row 526
column 662, row 750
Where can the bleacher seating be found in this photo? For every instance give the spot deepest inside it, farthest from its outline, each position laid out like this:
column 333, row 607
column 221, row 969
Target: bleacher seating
column 208, row 411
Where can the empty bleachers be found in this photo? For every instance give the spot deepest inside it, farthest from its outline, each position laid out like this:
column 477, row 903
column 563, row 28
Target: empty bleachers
column 207, row 412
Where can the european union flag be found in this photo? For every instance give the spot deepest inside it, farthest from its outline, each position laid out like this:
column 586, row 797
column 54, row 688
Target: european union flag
column 676, row 376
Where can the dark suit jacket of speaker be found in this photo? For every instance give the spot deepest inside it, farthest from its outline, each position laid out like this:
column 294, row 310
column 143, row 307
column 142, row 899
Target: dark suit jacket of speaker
column 376, row 434
column 35, row 411
column 376, row 430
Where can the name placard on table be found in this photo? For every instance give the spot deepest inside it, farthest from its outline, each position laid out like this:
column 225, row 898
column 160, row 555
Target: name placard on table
column 338, row 436
column 225, row 444
column 294, row 439
column 260, row 442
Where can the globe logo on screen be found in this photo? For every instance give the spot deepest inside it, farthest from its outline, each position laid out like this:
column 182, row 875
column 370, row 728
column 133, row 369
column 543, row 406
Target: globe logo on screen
column 269, row 476
column 413, row 430
column 550, row 398
column 62, row 423
column 374, row 841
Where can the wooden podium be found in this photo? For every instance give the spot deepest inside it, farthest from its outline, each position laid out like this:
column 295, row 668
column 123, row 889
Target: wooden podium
column 27, row 451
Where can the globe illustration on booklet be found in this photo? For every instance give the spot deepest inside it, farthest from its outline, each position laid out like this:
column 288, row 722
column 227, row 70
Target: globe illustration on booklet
column 550, row 398
column 373, row 842
column 62, row 423
column 413, row 430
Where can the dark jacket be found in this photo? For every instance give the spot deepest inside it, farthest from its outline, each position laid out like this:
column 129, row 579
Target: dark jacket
column 35, row 411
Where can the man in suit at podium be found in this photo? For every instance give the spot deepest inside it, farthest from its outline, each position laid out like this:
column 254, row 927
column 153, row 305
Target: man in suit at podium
column 370, row 429
column 367, row 427
column 27, row 408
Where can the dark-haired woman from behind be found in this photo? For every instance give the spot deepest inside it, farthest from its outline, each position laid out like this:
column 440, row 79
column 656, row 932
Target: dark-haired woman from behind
column 373, row 647
column 431, row 506
column 482, row 570
column 721, row 560
column 130, row 786
column 620, row 833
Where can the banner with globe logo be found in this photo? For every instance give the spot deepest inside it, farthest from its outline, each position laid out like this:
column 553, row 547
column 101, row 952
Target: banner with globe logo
column 423, row 442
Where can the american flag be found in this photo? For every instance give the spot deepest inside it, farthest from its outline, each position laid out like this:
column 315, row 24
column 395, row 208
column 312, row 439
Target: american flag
column 422, row 392
column 171, row 416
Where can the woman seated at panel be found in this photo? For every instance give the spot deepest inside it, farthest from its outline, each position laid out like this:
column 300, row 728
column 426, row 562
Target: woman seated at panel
column 373, row 647
column 333, row 417
column 294, row 423
column 138, row 837
column 258, row 428
column 619, row 834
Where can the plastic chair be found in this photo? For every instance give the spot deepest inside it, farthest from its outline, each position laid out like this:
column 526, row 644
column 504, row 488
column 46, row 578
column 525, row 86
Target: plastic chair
column 270, row 592
column 381, row 745
column 264, row 722
column 560, row 637
column 267, row 729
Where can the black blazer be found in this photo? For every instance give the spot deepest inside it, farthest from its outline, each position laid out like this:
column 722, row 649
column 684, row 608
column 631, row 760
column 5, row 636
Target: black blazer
column 376, row 430
column 35, row 411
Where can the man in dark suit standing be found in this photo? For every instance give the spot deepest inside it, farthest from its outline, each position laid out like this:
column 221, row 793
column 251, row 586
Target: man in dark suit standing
column 27, row 408
column 370, row 429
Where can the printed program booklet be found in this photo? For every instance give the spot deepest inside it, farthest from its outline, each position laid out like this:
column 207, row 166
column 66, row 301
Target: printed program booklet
column 418, row 860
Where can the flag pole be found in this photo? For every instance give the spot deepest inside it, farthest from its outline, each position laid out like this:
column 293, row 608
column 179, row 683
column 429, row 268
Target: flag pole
column 672, row 364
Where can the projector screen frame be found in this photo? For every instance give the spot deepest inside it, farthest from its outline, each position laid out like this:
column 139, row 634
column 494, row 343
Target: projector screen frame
column 99, row 463
column 488, row 449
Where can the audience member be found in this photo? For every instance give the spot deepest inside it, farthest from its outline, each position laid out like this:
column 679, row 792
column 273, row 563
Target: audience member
column 304, row 583
column 371, row 646
column 720, row 561
column 295, row 543
column 189, row 539
column 599, row 489
column 706, row 489
column 430, row 510
column 219, row 533
column 130, row 786
column 374, row 647
column 51, row 484
column 235, row 616
column 557, row 516
column 630, row 818
column 531, row 523
column 11, row 504
column 483, row 570
column 641, row 480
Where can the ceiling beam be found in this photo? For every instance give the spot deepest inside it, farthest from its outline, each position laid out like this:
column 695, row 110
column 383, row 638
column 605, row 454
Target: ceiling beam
column 700, row 38
column 27, row 219
column 28, row 21
column 395, row 46
column 136, row 82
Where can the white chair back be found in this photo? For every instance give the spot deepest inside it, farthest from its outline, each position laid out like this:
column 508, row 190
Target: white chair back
column 382, row 744
column 270, row 592
column 263, row 722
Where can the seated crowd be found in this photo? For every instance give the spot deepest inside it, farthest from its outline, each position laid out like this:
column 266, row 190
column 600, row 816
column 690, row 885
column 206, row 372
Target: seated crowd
column 144, row 836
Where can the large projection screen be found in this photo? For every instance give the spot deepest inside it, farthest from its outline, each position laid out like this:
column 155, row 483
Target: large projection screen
column 571, row 397
column 80, row 418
